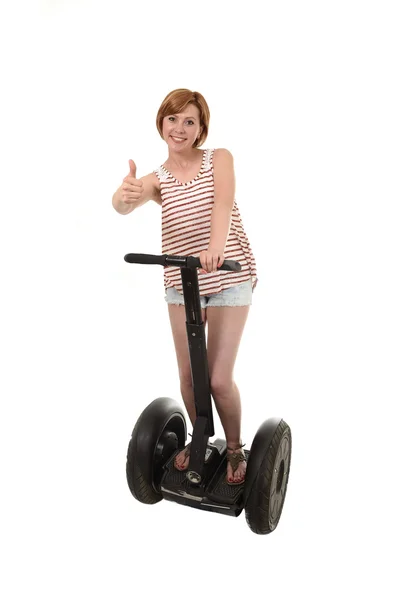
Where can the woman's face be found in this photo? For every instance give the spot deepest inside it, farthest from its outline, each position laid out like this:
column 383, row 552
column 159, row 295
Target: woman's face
column 182, row 129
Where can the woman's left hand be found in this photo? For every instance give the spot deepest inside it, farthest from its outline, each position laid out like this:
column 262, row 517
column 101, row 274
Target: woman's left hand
column 211, row 259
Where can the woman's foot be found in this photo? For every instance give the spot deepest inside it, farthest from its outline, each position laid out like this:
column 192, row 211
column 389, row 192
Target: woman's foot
column 236, row 464
column 183, row 458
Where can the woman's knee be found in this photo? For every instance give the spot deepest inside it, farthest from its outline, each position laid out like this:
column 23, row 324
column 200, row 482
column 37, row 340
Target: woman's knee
column 221, row 385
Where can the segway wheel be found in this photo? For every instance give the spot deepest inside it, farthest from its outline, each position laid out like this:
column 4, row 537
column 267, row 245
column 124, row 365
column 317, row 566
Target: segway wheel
column 159, row 431
column 267, row 476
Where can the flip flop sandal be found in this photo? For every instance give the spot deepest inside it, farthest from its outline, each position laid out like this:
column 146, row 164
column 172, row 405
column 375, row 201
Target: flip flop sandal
column 186, row 455
column 235, row 459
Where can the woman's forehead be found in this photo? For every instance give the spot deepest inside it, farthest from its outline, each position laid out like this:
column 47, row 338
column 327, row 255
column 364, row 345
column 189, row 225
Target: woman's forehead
column 190, row 112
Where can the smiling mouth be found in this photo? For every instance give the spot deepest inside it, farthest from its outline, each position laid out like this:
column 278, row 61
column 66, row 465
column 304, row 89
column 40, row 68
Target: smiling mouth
column 178, row 139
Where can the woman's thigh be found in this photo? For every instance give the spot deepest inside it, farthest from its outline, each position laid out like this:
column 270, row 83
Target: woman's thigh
column 225, row 328
column 177, row 317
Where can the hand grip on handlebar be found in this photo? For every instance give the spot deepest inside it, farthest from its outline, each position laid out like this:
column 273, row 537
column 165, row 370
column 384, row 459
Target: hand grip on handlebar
column 177, row 261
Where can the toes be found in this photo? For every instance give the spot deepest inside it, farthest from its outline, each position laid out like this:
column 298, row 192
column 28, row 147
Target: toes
column 178, row 462
column 239, row 475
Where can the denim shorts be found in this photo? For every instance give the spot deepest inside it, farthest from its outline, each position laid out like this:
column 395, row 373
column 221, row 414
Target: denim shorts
column 238, row 295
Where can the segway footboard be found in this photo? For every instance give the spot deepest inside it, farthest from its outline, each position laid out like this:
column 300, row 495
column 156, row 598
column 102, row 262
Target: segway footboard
column 213, row 494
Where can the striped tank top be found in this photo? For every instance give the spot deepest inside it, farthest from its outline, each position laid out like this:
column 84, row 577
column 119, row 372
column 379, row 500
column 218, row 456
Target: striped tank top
column 186, row 229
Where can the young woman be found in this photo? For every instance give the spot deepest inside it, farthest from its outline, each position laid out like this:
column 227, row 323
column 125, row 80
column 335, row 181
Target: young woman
column 200, row 217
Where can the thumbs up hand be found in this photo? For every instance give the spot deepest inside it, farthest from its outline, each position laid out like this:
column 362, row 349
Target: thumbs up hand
column 132, row 188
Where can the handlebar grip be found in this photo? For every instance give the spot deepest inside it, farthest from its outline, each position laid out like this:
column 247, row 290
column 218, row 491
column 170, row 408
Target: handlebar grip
column 146, row 259
column 178, row 261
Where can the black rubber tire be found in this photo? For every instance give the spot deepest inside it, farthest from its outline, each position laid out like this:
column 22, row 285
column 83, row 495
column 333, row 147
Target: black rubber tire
column 159, row 431
column 266, row 496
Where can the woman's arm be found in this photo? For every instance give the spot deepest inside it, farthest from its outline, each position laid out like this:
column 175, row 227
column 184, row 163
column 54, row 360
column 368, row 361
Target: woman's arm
column 224, row 180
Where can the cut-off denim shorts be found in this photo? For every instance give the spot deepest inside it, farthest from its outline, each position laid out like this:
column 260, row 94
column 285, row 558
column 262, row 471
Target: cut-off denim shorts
column 238, row 295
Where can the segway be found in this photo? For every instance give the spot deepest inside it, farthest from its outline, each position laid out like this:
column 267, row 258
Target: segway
column 160, row 434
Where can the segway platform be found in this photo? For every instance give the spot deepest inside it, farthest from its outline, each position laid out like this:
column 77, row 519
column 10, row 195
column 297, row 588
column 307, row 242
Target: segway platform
column 214, row 493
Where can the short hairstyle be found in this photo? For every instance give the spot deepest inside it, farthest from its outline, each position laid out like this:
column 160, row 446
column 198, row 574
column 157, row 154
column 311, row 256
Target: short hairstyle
column 176, row 101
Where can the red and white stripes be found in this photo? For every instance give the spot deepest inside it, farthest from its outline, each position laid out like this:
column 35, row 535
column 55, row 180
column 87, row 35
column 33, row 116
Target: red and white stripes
column 186, row 228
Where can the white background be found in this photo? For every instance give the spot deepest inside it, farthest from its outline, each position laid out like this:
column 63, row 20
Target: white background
column 305, row 96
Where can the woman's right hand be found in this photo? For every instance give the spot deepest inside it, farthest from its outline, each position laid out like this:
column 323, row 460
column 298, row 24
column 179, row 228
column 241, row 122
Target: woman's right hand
column 132, row 188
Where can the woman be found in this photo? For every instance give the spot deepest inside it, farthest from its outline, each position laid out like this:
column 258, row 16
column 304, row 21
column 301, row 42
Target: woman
column 200, row 217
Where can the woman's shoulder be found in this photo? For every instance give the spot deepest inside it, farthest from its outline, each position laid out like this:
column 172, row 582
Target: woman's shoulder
column 222, row 157
column 153, row 177
column 221, row 154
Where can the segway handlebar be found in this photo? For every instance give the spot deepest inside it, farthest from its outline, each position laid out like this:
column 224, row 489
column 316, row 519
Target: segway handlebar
column 168, row 260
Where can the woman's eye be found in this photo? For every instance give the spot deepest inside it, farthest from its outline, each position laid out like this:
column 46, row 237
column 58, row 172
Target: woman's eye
column 189, row 121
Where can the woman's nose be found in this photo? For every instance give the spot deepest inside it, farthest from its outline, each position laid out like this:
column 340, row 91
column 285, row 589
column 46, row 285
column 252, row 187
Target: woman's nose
column 179, row 128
